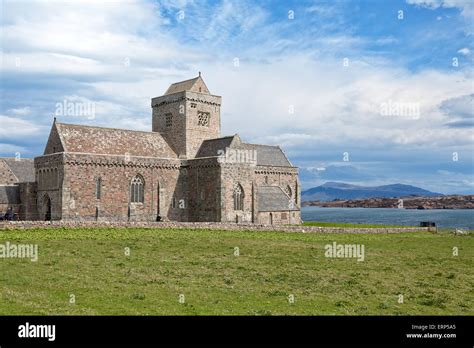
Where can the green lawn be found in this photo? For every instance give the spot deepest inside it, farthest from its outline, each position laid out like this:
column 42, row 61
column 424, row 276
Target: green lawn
column 200, row 264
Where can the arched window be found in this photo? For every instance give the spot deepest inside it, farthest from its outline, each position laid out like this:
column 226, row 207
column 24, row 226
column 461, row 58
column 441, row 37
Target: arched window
column 238, row 197
column 137, row 190
column 288, row 191
column 98, row 188
column 56, row 178
column 296, row 191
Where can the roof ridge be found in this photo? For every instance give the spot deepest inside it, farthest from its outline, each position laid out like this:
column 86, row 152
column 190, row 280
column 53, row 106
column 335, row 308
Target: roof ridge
column 16, row 159
column 109, row 128
column 263, row 145
column 227, row 136
column 194, row 78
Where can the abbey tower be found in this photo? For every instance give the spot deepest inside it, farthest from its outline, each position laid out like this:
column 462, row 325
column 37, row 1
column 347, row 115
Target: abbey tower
column 186, row 115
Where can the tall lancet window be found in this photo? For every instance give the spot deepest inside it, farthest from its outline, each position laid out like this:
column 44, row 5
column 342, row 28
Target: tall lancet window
column 98, row 188
column 238, row 197
column 137, row 190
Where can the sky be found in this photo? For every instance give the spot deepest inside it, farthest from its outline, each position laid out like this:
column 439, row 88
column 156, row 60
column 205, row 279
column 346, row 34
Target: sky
column 365, row 92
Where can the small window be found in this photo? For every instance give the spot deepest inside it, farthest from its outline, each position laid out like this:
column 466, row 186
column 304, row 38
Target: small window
column 266, row 179
column 137, row 190
column 168, row 120
column 98, row 188
column 193, row 105
column 288, row 191
column 283, row 216
column 173, row 203
column 238, row 196
column 203, row 119
column 56, row 178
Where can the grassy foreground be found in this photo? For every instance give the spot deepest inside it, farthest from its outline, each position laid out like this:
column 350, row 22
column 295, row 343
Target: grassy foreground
column 202, row 265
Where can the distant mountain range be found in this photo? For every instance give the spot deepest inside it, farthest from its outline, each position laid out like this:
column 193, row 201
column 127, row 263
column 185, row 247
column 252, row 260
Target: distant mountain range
column 337, row 190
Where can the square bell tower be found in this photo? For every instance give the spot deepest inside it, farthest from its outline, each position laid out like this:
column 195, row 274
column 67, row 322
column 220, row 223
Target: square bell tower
column 186, row 115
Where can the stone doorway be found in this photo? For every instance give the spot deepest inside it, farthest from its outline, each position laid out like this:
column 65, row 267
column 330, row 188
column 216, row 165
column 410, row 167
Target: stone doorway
column 47, row 208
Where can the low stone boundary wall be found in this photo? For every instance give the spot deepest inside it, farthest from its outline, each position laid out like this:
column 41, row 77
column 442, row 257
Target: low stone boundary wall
column 17, row 225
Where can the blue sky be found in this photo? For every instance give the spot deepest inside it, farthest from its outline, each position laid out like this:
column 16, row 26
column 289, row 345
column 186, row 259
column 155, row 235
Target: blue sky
column 311, row 76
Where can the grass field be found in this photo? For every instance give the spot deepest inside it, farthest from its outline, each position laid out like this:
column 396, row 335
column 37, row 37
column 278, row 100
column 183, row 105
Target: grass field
column 202, row 265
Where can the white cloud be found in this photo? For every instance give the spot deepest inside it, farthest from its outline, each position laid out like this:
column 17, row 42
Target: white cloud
column 23, row 111
column 465, row 6
column 465, row 51
column 11, row 150
column 16, row 127
column 335, row 105
column 328, row 99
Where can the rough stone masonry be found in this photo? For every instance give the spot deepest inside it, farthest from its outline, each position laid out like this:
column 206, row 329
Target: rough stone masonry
column 183, row 171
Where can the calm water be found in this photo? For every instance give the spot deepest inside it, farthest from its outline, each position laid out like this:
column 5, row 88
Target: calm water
column 453, row 218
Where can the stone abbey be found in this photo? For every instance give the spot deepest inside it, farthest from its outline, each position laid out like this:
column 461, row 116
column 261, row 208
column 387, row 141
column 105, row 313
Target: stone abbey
column 183, row 170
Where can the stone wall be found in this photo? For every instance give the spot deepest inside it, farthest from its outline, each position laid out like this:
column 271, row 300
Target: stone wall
column 233, row 174
column 204, row 189
column 28, row 198
column 49, row 171
column 173, row 133
column 280, row 176
column 279, row 217
column 203, row 225
column 178, row 190
column 184, row 134
column 81, row 173
column 195, row 133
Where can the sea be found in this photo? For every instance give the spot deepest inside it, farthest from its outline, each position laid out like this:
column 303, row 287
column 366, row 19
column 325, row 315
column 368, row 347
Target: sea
column 444, row 218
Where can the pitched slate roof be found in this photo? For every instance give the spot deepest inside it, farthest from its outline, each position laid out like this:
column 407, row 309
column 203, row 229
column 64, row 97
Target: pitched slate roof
column 112, row 141
column 22, row 168
column 9, row 194
column 188, row 85
column 266, row 155
column 273, row 198
column 6, row 175
column 210, row 148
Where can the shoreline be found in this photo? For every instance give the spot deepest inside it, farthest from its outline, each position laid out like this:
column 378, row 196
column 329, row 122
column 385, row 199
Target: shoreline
column 416, row 203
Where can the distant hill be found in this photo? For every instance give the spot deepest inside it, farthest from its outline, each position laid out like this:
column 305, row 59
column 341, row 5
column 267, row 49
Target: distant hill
column 337, row 190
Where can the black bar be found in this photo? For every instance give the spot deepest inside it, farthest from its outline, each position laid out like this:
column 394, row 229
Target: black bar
column 329, row 330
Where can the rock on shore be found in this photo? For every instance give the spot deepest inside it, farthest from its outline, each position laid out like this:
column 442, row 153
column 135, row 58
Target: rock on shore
column 442, row 202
